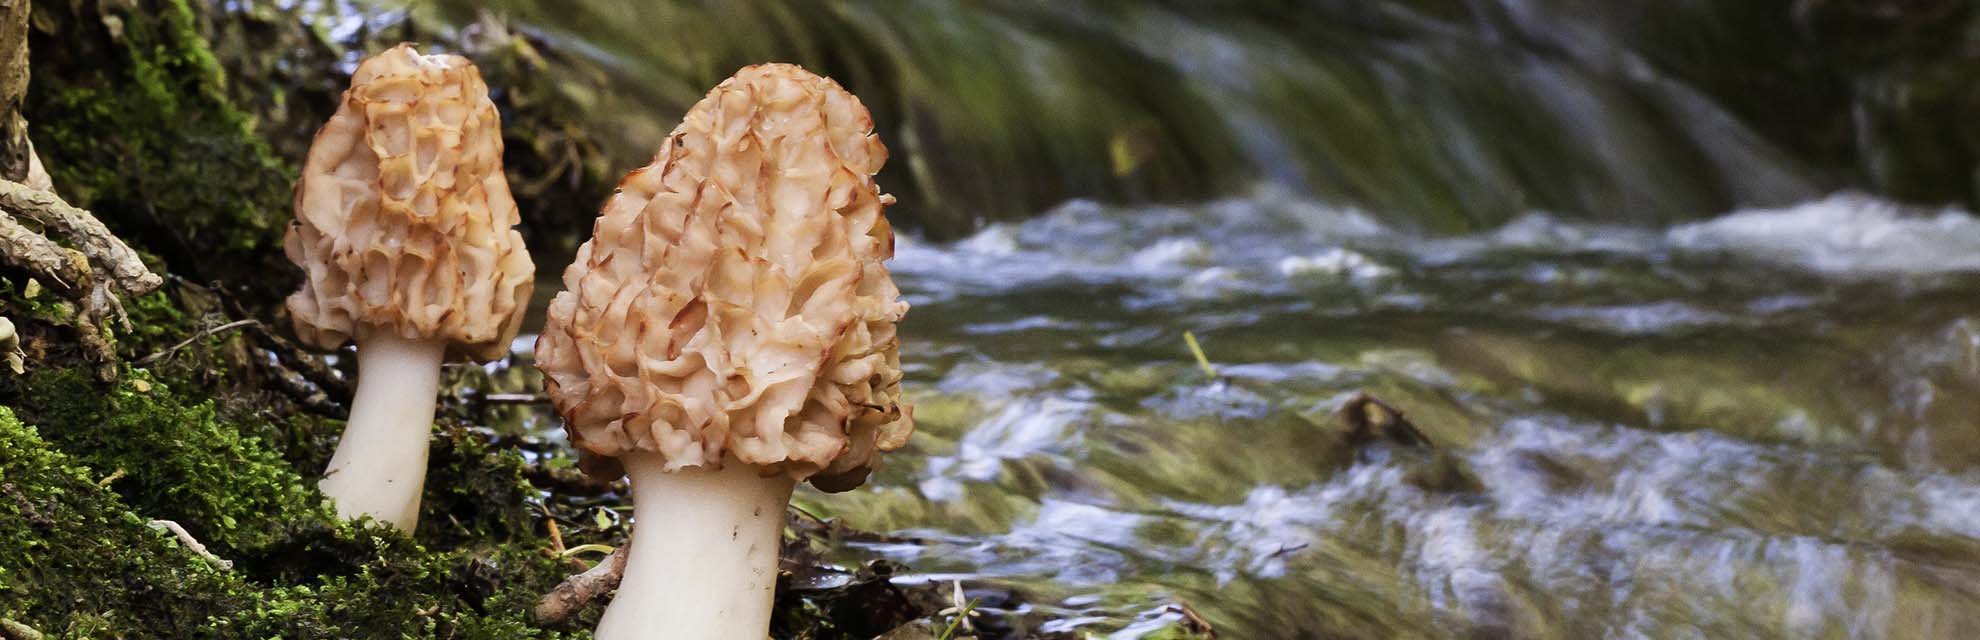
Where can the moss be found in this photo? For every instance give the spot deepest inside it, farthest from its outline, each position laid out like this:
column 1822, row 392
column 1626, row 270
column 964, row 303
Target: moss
column 476, row 491
column 181, row 461
column 97, row 570
column 232, row 467
column 131, row 112
column 80, row 563
column 135, row 124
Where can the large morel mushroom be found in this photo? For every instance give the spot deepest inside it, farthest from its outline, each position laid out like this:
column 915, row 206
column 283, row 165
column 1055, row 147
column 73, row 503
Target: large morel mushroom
column 728, row 332
column 404, row 227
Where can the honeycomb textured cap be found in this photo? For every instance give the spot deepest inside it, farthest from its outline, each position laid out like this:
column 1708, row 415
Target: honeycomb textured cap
column 732, row 302
column 404, row 222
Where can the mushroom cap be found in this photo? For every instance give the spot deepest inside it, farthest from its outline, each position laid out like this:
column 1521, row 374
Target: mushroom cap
column 404, row 221
column 732, row 302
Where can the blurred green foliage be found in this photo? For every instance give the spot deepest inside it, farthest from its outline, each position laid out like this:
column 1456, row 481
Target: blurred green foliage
column 1435, row 114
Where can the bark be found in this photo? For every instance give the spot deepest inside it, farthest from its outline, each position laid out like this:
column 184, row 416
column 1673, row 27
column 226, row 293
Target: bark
column 16, row 153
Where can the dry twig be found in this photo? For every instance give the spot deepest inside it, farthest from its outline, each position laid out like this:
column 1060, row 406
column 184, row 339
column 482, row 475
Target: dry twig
column 195, row 338
column 92, row 277
column 556, row 537
column 192, row 544
column 578, row 590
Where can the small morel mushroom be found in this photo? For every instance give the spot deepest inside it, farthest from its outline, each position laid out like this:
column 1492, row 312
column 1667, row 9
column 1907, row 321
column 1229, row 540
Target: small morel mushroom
column 404, row 226
column 727, row 332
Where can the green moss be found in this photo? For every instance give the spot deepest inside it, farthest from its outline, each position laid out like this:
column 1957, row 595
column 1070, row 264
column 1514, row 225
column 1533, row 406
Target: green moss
column 81, row 564
column 235, row 469
column 135, row 124
column 475, row 491
column 131, row 112
column 181, row 460
column 96, row 570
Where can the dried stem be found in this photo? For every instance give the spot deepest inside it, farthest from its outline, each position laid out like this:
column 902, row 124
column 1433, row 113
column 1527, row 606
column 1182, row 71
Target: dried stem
column 192, row 544
column 195, row 338
column 578, row 590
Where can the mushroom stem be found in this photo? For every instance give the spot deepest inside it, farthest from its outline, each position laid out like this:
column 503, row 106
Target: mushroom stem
column 380, row 464
column 703, row 562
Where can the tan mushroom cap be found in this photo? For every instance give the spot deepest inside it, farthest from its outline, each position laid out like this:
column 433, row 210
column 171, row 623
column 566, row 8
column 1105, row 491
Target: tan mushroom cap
column 732, row 300
column 404, row 220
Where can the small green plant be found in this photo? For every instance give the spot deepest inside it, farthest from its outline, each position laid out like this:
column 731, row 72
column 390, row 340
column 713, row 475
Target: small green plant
column 962, row 616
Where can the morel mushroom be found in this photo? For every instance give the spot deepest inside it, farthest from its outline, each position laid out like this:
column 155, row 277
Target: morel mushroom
column 404, row 226
column 727, row 332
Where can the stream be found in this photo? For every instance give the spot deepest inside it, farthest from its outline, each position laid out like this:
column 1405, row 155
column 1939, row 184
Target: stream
column 1759, row 424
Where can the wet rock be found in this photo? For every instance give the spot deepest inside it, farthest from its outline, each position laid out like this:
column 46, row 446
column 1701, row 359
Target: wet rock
column 1367, row 423
column 1368, row 418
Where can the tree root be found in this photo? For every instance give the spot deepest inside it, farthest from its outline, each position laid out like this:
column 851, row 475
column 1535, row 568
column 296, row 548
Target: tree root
column 23, row 248
column 95, row 276
column 578, row 590
column 108, row 254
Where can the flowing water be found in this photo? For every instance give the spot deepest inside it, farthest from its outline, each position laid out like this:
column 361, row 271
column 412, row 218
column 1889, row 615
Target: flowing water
column 1761, row 424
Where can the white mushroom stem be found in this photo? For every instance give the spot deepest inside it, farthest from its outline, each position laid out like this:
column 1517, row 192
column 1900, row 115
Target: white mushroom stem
column 703, row 564
column 380, row 464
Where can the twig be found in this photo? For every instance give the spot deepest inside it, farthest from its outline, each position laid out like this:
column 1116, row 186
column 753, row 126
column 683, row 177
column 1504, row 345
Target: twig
column 91, row 337
column 556, row 538
column 578, row 590
column 192, row 544
column 113, row 477
column 195, row 338
column 68, row 272
column 12, row 630
column 108, row 253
